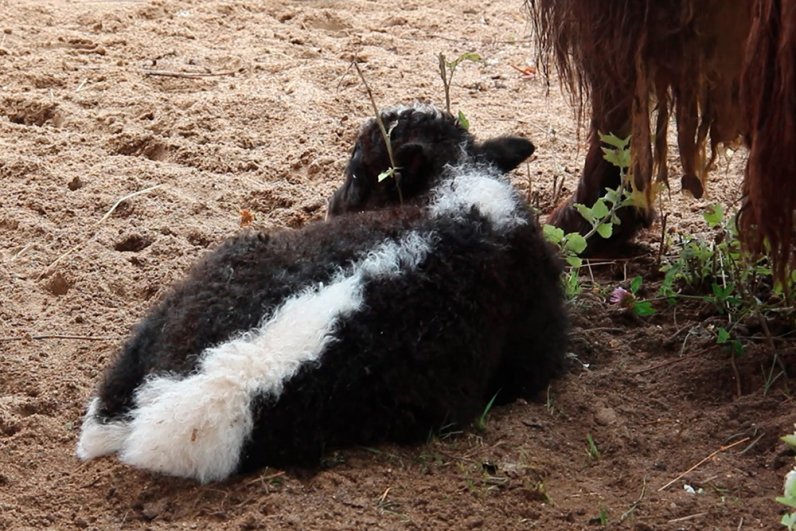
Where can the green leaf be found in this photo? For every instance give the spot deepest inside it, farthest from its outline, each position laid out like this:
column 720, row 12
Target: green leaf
column 790, row 439
column 788, row 520
column 643, row 308
column 612, row 156
column 610, row 195
column 575, row 243
column 572, row 284
column 722, row 336
column 635, row 284
column 386, row 174
column 714, row 215
column 790, row 502
column 599, row 210
column 722, row 294
column 618, row 154
column 586, row 212
column 605, row 230
column 468, row 56
column 463, row 121
column 593, row 451
column 574, row 261
column 552, row 233
column 613, row 140
column 624, row 158
column 717, row 291
column 736, row 347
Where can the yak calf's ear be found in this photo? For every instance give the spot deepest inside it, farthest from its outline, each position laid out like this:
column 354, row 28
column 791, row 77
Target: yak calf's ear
column 505, row 152
column 414, row 163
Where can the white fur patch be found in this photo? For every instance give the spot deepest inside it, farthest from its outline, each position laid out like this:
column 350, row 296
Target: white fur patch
column 97, row 438
column 196, row 426
column 480, row 187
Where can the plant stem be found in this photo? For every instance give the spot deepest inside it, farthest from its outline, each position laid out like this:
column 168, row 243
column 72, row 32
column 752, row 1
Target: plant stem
column 383, row 130
column 614, row 207
column 443, row 72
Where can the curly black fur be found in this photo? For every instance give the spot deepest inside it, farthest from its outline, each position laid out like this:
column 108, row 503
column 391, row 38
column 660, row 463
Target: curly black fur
column 482, row 314
column 424, row 141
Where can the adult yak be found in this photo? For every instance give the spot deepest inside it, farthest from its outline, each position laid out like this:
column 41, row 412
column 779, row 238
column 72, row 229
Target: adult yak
column 726, row 69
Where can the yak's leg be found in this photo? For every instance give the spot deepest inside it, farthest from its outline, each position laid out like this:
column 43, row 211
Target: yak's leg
column 611, row 116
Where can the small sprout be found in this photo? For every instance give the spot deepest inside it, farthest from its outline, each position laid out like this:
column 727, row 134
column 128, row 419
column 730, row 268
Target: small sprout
column 603, row 516
column 714, row 216
column 480, row 422
column 463, row 121
column 635, row 284
column 723, row 337
column 643, row 308
column 392, row 170
column 446, row 70
column 592, row 450
column 572, row 287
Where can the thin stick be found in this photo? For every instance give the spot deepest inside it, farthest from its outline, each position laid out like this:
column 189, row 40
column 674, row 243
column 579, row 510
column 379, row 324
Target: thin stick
column 677, row 333
column 266, row 478
column 106, row 216
column 737, row 376
column 662, row 246
column 187, row 75
column 685, row 518
column 636, row 503
column 384, row 496
column 376, row 112
column 722, row 449
column 444, row 77
column 62, row 336
column 658, row 366
column 530, row 182
column 591, row 273
column 342, row 77
column 125, row 198
column 20, row 252
column 676, row 360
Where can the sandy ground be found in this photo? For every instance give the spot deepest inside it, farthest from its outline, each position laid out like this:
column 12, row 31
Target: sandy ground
column 203, row 109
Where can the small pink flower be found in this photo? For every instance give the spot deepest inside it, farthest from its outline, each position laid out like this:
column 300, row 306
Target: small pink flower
column 621, row 296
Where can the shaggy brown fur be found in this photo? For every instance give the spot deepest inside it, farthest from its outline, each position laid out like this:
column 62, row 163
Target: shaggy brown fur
column 633, row 56
column 769, row 100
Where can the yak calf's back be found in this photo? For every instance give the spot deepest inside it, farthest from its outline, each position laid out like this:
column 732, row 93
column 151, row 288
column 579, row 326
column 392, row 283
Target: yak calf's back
column 377, row 325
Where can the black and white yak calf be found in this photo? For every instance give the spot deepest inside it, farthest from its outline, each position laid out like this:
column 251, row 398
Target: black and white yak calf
column 385, row 323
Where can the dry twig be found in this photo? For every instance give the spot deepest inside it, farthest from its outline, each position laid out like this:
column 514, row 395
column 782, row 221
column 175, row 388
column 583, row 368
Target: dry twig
column 60, row 336
column 713, row 454
column 187, row 75
column 106, row 216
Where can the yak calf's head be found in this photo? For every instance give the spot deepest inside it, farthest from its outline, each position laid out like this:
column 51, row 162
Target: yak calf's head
column 424, row 140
